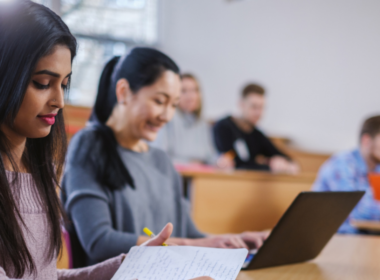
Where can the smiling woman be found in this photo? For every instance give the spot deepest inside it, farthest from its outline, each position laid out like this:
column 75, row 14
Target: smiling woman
column 114, row 183
column 33, row 39
column 36, row 53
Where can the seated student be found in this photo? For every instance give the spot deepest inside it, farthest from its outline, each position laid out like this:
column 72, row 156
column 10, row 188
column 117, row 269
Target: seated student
column 240, row 137
column 114, row 184
column 348, row 171
column 36, row 52
column 187, row 138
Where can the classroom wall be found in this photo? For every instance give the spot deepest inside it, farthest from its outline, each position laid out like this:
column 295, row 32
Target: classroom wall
column 318, row 59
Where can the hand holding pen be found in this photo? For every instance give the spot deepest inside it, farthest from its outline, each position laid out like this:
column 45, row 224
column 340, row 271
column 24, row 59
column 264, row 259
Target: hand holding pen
column 159, row 239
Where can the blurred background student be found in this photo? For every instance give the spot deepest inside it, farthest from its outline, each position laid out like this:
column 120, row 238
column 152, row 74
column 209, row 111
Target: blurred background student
column 114, row 183
column 349, row 171
column 240, row 138
column 187, row 138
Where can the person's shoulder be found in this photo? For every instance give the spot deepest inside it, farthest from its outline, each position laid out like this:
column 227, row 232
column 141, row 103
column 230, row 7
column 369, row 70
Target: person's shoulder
column 203, row 123
column 259, row 132
column 224, row 122
column 89, row 132
column 87, row 140
column 344, row 157
column 341, row 161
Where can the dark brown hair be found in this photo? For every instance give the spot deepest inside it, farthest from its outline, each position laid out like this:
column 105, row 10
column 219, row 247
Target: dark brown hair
column 197, row 112
column 252, row 89
column 371, row 126
column 29, row 32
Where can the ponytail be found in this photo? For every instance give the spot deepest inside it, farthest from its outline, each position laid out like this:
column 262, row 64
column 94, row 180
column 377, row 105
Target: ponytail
column 105, row 100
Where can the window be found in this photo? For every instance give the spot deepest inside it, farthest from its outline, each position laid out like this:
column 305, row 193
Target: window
column 104, row 28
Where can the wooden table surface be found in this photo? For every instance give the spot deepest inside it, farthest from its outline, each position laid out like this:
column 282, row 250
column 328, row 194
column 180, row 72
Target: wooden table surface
column 346, row 257
column 248, row 175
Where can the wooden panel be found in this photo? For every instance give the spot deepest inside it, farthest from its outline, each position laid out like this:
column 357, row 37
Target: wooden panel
column 309, row 162
column 75, row 118
column 235, row 202
column 347, row 257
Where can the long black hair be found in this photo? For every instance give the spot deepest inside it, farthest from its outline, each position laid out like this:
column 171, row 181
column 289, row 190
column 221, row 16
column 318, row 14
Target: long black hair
column 28, row 32
column 141, row 67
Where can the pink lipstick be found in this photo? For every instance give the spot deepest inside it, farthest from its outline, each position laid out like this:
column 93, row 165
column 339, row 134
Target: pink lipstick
column 48, row 118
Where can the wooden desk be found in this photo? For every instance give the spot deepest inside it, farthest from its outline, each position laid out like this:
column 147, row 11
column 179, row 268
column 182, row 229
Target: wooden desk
column 344, row 258
column 242, row 200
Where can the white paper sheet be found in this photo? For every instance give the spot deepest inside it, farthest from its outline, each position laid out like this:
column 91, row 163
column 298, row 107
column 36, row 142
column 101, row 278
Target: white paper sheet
column 181, row 263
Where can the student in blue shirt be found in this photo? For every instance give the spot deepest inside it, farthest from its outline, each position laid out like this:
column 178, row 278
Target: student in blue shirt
column 348, row 171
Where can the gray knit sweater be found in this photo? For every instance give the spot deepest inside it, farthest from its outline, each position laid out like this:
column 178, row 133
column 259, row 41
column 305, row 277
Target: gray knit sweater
column 36, row 232
column 108, row 222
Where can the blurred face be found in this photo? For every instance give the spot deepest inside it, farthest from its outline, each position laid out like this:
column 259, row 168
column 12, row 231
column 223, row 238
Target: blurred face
column 190, row 100
column 252, row 107
column 153, row 106
column 375, row 148
column 44, row 96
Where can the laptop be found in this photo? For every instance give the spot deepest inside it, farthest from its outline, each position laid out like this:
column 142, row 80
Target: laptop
column 305, row 228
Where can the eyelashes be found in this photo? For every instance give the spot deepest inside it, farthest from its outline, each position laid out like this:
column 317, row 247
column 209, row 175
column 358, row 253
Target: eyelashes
column 41, row 86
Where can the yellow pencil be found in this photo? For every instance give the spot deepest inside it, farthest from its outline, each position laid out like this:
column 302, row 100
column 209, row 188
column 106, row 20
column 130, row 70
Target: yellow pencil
column 151, row 234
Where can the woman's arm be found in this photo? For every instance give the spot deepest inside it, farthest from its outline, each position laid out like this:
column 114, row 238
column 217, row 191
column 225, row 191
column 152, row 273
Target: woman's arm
column 92, row 219
column 102, row 271
column 87, row 202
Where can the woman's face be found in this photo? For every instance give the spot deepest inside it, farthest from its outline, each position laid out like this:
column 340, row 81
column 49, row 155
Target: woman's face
column 190, row 98
column 44, row 96
column 153, row 106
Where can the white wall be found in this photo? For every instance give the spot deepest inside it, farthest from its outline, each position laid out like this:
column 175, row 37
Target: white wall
column 318, row 59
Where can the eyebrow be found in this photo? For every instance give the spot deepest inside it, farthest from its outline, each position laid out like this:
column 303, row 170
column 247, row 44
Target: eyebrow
column 47, row 72
column 166, row 95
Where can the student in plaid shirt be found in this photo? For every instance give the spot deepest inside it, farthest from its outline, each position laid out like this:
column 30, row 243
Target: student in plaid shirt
column 348, row 171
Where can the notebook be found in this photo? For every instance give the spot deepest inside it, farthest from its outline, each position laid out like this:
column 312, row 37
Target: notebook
column 180, row 263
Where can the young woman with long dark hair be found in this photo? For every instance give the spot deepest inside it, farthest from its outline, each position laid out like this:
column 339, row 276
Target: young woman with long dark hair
column 36, row 52
column 114, row 183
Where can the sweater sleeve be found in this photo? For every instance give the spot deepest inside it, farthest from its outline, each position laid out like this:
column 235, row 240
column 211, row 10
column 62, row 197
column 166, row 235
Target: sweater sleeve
column 191, row 229
column 88, row 204
column 269, row 149
column 102, row 271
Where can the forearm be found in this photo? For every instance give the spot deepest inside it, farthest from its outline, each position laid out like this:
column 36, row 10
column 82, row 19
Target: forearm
column 93, row 224
column 101, row 271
